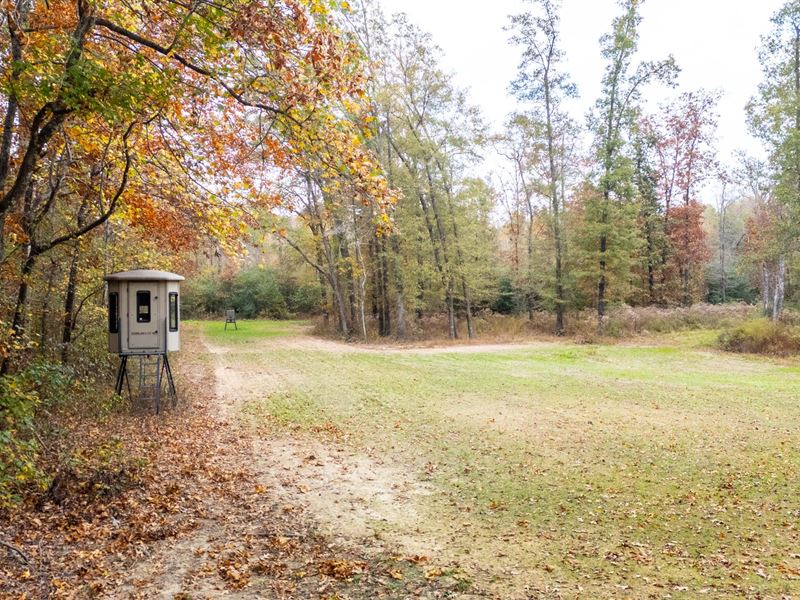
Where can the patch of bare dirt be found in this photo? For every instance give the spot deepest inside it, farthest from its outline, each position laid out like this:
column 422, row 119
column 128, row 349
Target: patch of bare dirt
column 351, row 496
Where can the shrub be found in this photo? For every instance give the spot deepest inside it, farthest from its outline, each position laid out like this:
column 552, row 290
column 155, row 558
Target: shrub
column 205, row 295
column 505, row 303
column 762, row 336
column 256, row 293
column 41, row 383
column 303, row 299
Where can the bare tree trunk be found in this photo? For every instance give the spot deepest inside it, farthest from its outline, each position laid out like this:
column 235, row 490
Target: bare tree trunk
column 438, row 244
column 780, row 288
column 323, row 286
column 457, row 243
column 69, row 306
column 362, row 278
column 72, row 286
column 400, row 315
column 451, row 312
column 45, row 314
column 723, row 226
column 333, row 278
column 376, row 312
column 529, row 294
column 442, row 268
column 651, row 267
column 687, row 297
column 386, row 305
column 766, row 296
column 601, row 285
column 400, row 306
column 468, row 308
column 555, row 205
column 338, row 302
column 351, row 287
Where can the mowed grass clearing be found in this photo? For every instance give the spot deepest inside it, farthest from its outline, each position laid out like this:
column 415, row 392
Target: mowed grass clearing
column 564, row 470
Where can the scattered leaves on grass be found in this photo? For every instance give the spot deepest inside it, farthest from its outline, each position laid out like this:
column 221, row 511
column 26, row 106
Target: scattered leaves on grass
column 341, row 568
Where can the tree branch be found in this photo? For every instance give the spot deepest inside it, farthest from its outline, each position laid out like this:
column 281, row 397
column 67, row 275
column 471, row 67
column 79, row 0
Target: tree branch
column 200, row 70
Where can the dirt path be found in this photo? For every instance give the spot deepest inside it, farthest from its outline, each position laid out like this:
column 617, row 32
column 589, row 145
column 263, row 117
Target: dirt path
column 352, row 496
column 300, row 516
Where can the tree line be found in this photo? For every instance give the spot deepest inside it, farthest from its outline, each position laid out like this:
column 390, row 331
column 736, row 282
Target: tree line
column 579, row 215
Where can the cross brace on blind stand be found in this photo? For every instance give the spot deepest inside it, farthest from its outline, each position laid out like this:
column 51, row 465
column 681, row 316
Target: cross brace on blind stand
column 162, row 372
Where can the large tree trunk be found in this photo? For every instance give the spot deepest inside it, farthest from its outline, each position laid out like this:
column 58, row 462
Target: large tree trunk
column 780, row 288
column 601, row 286
column 321, row 277
column 69, row 306
column 766, row 295
column 338, row 302
column 362, row 278
column 386, row 305
column 336, row 288
column 399, row 305
column 351, row 287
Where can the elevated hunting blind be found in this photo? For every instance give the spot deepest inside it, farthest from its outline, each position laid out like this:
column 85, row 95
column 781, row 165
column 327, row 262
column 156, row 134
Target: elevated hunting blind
column 144, row 321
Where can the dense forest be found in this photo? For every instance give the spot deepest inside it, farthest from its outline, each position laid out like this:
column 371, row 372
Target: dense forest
column 301, row 157
column 630, row 208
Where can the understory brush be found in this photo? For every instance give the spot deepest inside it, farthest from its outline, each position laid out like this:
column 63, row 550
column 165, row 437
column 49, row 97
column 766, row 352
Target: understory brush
column 40, row 404
column 621, row 322
column 762, row 336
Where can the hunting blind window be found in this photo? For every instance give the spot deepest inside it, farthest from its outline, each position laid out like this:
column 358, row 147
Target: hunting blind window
column 173, row 311
column 113, row 312
column 143, row 307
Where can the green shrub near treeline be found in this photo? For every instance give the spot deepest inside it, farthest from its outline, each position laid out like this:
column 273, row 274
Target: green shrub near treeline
column 254, row 292
column 762, row 336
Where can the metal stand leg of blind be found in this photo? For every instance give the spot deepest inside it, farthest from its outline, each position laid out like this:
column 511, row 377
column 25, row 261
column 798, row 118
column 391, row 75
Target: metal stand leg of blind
column 153, row 376
column 122, row 375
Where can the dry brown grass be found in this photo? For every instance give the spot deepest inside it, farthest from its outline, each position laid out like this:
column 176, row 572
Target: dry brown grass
column 622, row 322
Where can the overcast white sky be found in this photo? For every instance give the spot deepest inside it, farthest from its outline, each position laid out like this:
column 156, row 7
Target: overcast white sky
column 714, row 42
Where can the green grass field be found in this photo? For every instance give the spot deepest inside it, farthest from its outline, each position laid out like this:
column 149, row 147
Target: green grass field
column 660, row 470
column 246, row 331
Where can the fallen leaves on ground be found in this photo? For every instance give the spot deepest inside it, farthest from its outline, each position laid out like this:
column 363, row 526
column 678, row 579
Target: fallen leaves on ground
column 180, row 506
